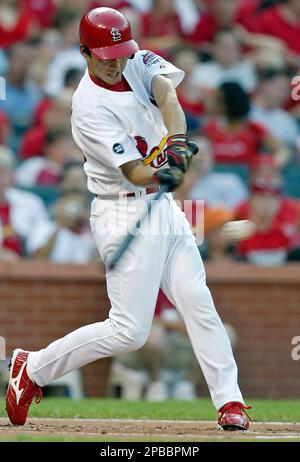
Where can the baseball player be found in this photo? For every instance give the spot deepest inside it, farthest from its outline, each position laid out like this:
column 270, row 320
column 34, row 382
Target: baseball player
column 128, row 123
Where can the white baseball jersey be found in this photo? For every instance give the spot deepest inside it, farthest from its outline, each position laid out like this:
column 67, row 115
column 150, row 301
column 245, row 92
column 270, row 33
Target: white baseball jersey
column 107, row 124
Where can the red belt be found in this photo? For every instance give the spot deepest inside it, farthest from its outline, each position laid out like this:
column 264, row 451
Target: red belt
column 141, row 193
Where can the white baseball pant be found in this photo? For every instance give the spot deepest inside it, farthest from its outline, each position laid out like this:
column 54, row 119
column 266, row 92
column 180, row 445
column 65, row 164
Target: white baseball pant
column 168, row 259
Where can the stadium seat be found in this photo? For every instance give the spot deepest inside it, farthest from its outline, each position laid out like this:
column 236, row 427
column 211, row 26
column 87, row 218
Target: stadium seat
column 69, row 385
column 291, row 176
column 239, row 169
column 130, row 383
column 48, row 194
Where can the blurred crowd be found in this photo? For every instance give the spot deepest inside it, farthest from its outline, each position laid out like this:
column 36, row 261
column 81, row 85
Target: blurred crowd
column 241, row 100
column 241, row 97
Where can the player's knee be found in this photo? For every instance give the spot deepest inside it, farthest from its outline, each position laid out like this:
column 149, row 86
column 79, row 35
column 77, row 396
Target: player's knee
column 137, row 341
column 128, row 337
column 134, row 339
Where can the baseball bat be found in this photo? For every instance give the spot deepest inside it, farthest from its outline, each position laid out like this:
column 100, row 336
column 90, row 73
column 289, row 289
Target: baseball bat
column 130, row 236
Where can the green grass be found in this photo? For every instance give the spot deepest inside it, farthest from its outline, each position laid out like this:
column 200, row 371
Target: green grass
column 202, row 409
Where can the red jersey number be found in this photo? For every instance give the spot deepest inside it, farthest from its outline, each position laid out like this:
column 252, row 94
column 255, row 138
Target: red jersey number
column 142, row 147
column 160, row 160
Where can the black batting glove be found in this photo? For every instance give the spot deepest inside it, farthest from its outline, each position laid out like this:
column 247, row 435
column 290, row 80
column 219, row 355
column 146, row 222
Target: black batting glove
column 170, row 177
column 193, row 148
column 179, row 153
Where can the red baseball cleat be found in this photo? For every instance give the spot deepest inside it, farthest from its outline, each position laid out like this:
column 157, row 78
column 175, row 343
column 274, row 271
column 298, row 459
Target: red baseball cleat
column 21, row 390
column 233, row 417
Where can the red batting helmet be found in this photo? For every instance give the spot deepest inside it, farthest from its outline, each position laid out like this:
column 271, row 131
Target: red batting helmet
column 106, row 32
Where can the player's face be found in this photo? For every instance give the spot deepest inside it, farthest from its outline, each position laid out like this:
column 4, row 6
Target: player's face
column 108, row 70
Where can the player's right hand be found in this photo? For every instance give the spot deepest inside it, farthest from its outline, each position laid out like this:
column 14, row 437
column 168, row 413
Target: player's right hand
column 170, row 177
column 178, row 152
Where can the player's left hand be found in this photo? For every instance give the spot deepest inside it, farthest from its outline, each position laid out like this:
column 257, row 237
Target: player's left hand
column 170, row 177
column 180, row 152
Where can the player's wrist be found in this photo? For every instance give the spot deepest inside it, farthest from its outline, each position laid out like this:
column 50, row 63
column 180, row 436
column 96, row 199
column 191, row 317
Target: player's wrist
column 178, row 138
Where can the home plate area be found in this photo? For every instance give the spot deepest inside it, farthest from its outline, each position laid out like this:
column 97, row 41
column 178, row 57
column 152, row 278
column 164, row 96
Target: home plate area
column 145, row 430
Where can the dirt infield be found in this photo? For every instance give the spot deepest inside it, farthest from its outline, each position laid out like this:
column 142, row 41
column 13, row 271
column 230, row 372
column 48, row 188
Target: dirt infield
column 164, row 430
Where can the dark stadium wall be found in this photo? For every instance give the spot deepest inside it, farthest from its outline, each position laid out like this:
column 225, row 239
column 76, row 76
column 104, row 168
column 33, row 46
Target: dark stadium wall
column 40, row 302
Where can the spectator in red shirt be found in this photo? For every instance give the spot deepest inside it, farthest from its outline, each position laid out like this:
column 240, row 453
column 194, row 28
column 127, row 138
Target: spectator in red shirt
column 42, row 10
column 281, row 21
column 16, row 23
column 160, row 27
column 42, row 108
column 46, row 170
column 235, row 138
column 20, row 212
column 189, row 95
column 248, row 10
column 71, row 80
column 230, row 14
column 56, row 117
column 4, row 128
column 218, row 14
column 11, row 240
column 277, row 217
